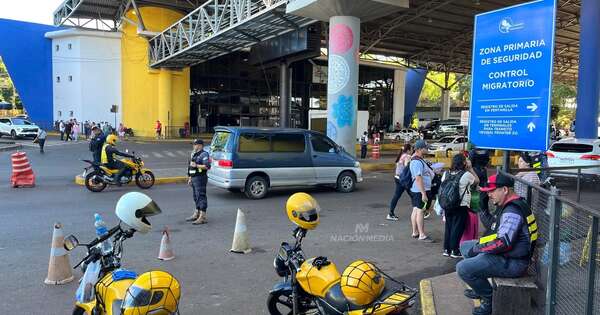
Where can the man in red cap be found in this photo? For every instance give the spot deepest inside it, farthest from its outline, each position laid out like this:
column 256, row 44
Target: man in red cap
column 507, row 248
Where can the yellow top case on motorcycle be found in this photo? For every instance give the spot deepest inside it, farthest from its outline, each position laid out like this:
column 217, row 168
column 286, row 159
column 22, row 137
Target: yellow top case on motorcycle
column 361, row 283
column 316, row 281
column 154, row 292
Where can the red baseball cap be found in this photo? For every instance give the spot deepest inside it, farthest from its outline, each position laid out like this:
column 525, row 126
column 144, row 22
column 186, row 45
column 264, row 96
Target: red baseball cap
column 497, row 181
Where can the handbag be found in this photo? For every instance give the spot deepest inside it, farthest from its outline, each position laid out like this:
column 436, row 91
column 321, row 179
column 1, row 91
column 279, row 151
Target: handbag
column 475, row 200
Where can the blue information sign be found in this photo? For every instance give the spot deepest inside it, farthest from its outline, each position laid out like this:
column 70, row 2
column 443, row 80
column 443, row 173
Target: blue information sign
column 513, row 52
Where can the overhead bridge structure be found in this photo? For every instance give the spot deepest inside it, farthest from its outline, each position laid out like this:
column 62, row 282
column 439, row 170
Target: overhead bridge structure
column 220, row 27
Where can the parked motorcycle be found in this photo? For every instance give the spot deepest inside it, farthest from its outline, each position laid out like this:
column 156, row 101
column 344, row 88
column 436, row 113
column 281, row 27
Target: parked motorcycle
column 105, row 288
column 97, row 176
column 314, row 286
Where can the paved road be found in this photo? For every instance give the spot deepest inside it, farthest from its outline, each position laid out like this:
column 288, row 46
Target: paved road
column 214, row 281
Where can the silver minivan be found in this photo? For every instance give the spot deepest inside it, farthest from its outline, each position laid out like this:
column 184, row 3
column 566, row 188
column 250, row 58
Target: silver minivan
column 254, row 160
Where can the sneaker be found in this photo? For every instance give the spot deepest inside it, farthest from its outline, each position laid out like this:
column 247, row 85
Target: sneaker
column 426, row 239
column 427, row 215
column 446, row 253
column 456, row 254
column 485, row 308
column 392, row 217
column 471, row 294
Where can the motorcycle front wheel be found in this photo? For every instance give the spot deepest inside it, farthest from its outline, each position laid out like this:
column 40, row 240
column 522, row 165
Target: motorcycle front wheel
column 144, row 180
column 94, row 182
column 280, row 303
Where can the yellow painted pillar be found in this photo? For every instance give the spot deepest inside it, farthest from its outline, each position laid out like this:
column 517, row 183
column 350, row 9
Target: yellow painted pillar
column 165, row 92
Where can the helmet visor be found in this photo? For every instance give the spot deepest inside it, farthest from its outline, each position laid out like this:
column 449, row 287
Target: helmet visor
column 310, row 215
column 149, row 210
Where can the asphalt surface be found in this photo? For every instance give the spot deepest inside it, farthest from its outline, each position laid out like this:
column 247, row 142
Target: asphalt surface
column 214, row 281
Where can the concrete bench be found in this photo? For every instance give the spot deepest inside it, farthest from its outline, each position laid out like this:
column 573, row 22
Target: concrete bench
column 514, row 296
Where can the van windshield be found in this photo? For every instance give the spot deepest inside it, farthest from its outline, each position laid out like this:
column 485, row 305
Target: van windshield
column 220, row 141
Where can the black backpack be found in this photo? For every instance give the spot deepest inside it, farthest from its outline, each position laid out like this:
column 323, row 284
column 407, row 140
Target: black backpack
column 449, row 193
column 406, row 180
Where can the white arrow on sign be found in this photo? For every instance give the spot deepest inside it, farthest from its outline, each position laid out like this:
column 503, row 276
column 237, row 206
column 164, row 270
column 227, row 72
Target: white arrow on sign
column 532, row 108
column 531, row 126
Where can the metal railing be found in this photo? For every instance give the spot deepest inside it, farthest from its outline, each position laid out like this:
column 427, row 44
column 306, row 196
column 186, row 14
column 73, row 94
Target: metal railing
column 566, row 259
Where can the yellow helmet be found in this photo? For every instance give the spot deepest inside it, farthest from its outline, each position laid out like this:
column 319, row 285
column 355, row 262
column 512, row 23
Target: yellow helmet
column 303, row 210
column 361, row 283
column 111, row 139
column 154, row 292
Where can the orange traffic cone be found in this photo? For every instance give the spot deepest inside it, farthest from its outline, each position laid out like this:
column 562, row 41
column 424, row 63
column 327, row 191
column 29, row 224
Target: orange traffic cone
column 22, row 174
column 59, row 267
column 166, row 252
column 240, row 244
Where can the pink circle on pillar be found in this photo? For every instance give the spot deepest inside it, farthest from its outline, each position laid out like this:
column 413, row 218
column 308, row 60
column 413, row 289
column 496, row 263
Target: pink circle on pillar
column 341, row 38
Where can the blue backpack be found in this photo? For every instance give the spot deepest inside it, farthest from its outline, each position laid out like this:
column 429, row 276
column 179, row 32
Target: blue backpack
column 406, row 180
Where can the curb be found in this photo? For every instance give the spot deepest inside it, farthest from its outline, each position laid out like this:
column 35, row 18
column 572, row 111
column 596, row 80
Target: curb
column 427, row 303
column 371, row 167
column 157, row 181
column 11, row 148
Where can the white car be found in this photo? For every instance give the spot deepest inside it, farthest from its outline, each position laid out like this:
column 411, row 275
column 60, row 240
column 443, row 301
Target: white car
column 404, row 135
column 451, row 143
column 17, row 128
column 575, row 152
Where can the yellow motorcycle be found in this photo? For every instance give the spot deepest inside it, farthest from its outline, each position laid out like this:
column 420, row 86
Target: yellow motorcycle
column 97, row 176
column 314, row 286
column 105, row 288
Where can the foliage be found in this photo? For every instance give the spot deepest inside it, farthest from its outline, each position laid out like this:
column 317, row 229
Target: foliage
column 561, row 114
column 7, row 88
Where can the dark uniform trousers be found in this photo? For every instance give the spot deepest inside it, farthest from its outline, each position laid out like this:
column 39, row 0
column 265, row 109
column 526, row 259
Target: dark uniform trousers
column 199, row 188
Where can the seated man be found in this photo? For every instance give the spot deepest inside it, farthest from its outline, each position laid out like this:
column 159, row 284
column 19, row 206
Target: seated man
column 506, row 251
column 108, row 158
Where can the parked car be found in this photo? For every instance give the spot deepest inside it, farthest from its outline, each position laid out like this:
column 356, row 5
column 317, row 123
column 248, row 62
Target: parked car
column 429, row 130
column 448, row 144
column 255, row 160
column 17, row 128
column 403, row 135
column 449, row 130
column 575, row 152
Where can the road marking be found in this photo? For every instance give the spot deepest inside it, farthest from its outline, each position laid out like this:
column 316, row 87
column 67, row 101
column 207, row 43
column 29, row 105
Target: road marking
column 169, row 153
column 145, row 156
column 182, row 153
column 157, row 155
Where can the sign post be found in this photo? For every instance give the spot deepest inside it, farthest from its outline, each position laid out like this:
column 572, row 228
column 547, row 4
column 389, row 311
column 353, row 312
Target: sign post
column 513, row 54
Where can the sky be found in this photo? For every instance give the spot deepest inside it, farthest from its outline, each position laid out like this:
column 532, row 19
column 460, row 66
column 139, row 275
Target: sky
column 36, row 11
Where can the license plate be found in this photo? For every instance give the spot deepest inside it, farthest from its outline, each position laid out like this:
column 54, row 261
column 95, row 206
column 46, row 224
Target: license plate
column 567, row 161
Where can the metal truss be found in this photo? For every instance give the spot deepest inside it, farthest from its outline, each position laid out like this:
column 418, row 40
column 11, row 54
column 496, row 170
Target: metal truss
column 220, row 27
column 65, row 15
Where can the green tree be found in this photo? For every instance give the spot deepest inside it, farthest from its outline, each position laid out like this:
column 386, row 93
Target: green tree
column 431, row 95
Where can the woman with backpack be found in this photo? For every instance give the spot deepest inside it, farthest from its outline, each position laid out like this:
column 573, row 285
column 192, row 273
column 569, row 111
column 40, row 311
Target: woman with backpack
column 402, row 161
column 455, row 198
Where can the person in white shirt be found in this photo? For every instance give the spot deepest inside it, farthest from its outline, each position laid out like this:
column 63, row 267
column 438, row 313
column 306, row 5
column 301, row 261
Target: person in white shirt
column 41, row 139
column 457, row 218
column 402, row 161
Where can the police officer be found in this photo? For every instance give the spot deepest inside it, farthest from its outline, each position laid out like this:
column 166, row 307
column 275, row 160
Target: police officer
column 197, row 177
column 96, row 143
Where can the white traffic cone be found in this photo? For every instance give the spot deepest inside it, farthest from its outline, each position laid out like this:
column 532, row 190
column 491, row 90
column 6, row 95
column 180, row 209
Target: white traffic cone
column 59, row 267
column 240, row 235
column 166, row 252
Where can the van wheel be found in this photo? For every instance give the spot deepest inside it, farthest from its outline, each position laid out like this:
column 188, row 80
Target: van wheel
column 256, row 187
column 13, row 135
column 346, row 182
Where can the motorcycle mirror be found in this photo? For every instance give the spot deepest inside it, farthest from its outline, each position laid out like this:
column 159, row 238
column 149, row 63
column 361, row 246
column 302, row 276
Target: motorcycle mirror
column 71, row 242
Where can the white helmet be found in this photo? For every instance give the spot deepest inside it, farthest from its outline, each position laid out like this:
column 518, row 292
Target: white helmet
column 133, row 208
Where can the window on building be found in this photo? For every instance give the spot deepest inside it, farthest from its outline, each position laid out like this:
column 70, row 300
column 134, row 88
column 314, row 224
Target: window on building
column 70, row 46
column 71, row 114
column 70, row 78
column 57, row 47
column 58, row 79
column 59, row 113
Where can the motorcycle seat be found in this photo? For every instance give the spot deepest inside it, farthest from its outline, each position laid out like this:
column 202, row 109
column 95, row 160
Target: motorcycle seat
column 336, row 299
column 337, row 302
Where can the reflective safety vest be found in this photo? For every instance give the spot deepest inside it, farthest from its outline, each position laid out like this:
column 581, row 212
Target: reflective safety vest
column 103, row 155
column 529, row 218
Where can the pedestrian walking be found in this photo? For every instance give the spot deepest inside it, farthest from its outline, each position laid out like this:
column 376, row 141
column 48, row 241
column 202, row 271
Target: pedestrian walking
column 455, row 199
column 61, row 128
column 76, row 130
column 364, row 142
column 96, row 143
column 402, row 161
column 197, row 177
column 422, row 175
column 40, row 139
column 158, row 129
column 68, row 130
column 86, row 129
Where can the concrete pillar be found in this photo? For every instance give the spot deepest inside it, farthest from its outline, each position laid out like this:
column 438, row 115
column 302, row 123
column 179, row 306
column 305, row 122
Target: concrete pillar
column 165, row 91
column 399, row 92
column 342, row 82
column 284, row 95
column 445, row 110
column 588, row 85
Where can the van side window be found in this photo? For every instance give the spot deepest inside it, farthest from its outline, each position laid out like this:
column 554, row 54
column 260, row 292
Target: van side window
column 288, row 142
column 254, row 142
column 320, row 144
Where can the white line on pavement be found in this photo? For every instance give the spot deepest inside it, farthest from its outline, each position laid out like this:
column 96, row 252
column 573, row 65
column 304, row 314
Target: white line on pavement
column 182, row 153
column 157, row 155
column 169, row 153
